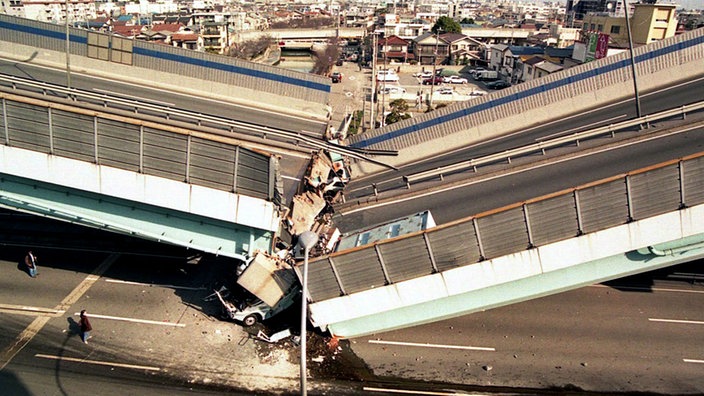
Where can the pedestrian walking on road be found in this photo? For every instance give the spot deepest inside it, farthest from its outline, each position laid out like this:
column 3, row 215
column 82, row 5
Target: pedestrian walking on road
column 31, row 261
column 84, row 323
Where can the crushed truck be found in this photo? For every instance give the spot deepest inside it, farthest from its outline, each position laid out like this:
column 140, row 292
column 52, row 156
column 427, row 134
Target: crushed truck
column 265, row 286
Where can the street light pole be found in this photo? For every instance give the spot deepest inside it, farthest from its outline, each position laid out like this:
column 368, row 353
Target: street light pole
column 306, row 240
column 435, row 62
column 68, row 51
column 633, row 62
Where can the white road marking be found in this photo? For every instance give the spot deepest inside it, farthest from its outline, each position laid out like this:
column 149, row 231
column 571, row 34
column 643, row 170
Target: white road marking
column 676, row 321
column 653, row 289
column 693, row 361
column 686, row 275
column 38, row 323
column 27, row 310
column 97, row 362
column 154, row 285
column 410, row 392
column 431, row 345
column 145, row 321
column 290, row 178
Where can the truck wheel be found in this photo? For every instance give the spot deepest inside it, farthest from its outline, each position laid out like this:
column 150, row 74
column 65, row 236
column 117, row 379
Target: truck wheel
column 250, row 320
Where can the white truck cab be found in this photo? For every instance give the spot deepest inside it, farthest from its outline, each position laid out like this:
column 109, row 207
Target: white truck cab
column 269, row 285
column 254, row 310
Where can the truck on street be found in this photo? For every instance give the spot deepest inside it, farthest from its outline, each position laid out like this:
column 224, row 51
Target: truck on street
column 487, row 75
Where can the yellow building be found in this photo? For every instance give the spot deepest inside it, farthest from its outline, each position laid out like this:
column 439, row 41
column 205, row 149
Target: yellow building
column 653, row 22
column 649, row 23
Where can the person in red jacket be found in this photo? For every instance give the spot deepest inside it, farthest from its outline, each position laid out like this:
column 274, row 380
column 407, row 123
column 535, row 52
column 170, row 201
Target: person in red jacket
column 84, row 323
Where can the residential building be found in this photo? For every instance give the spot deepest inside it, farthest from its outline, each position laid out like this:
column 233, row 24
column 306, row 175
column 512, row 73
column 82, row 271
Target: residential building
column 653, row 22
column 395, row 48
column 649, row 23
column 52, row 11
column 405, row 28
column 463, row 50
column 506, row 60
column 429, row 49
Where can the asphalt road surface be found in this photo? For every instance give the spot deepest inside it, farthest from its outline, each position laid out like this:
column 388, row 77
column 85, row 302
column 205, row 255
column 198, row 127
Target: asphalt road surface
column 638, row 334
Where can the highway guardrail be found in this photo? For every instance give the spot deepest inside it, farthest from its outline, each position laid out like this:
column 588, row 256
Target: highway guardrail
column 547, row 144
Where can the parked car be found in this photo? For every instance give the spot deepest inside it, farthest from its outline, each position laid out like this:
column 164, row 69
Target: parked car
column 476, row 70
column 392, row 89
column 423, row 75
column 446, row 91
column 387, row 75
column 499, row 84
column 437, row 80
column 477, row 92
column 455, row 80
column 336, row 77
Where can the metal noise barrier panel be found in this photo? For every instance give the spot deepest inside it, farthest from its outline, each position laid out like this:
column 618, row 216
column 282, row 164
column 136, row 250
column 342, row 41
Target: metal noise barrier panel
column 594, row 207
column 137, row 148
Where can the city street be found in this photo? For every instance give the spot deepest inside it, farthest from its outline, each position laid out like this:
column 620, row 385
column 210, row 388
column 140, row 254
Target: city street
column 153, row 333
column 637, row 334
column 149, row 322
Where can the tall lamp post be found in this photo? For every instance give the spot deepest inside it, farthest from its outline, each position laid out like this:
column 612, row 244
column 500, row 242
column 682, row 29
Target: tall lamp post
column 306, row 240
column 633, row 62
column 435, row 62
column 68, row 50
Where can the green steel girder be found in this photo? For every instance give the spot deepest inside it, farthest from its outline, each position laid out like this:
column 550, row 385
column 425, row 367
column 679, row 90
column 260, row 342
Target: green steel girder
column 130, row 217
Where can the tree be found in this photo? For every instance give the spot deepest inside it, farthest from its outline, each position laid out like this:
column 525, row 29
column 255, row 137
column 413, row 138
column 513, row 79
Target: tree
column 467, row 21
column 446, row 24
column 325, row 59
column 250, row 49
column 399, row 109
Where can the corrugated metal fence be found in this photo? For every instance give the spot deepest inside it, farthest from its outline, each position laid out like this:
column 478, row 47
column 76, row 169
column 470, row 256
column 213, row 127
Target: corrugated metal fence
column 131, row 145
column 586, row 209
column 535, row 94
column 168, row 59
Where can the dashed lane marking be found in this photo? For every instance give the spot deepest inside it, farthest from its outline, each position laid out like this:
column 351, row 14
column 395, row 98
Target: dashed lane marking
column 167, row 286
column 37, row 324
column 133, row 320
column 431, row 345
column 677, row 321
column 97, row 362
column 32, row 311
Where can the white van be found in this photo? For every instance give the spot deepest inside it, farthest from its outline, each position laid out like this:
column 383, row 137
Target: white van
column 392, row 90
column 387, row 75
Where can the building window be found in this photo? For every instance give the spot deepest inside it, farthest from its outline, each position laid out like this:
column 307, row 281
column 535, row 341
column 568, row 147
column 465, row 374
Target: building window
column 615, row 29
column 600, row 28
column 592, row 27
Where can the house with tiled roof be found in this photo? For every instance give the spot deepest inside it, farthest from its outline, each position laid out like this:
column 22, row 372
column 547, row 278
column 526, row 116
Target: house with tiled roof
column 463, row 50
column 395, row 48
column 185, row 39
column 429, row 48
column 129, row 31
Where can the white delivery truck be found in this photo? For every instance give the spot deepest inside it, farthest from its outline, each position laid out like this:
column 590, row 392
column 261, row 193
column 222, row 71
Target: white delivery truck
column 270, row 286
column 487, row 75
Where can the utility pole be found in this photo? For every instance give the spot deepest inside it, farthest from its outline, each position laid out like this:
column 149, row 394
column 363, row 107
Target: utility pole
column 68, row 51
column 383, row 91
column 371, row 111
column 435, row 62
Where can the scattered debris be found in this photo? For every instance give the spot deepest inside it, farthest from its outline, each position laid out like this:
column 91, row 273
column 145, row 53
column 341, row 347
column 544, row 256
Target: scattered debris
column 274, row 338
